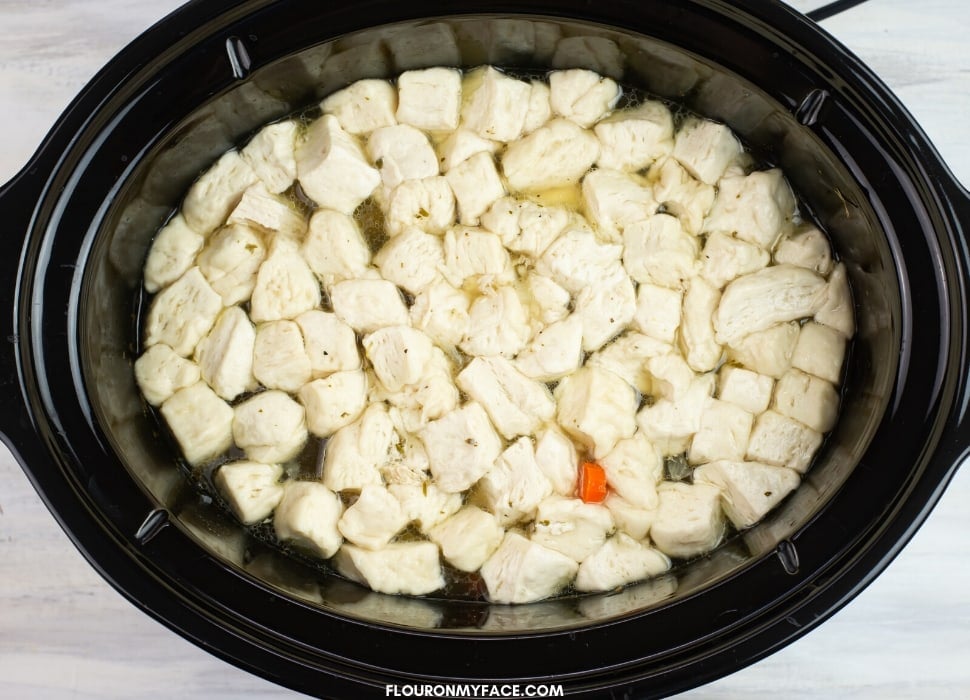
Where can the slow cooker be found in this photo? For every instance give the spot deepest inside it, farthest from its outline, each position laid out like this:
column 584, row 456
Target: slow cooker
column 83, row 212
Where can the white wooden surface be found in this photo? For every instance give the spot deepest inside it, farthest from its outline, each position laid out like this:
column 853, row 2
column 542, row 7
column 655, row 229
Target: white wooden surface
column 64, row 633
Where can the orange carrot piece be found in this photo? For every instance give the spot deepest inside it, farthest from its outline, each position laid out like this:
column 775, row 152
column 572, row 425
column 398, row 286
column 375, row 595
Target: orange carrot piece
column 592, row 483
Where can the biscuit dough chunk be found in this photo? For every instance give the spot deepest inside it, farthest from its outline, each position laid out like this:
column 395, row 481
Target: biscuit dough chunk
column 521, row 571
column 409, row 568
column 269, row 427
column 461, row 445
column 200, row 421
column 307, row 517
column 252, row 489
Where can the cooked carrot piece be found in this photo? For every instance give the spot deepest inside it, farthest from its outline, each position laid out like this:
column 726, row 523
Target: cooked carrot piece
column 592, row 483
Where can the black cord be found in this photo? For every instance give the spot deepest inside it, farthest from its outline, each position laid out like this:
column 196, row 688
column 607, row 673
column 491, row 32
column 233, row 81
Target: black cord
column 833, row 8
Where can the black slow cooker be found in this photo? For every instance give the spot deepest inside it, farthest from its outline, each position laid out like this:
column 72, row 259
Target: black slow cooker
column 80, row 217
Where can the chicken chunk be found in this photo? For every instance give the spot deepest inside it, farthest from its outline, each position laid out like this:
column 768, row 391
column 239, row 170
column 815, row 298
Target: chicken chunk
column 582, row 96
column 756, row 208
column 597, row 408
column 633, row 469
column 412, row 260
column 467, row 538
column 836, row 309
column 556, row 154
column 398, row 354
column 441, row 311
column 271, row 212
column 427, row 204
column 307, row 517
column 632, row 139
column 689, row 520
column 216, row 192
column 659, row 251
column 554, row 352
column 614, row 200
column 160, row 372
column 516, row 404
column 368, row 304
column 658, row 311
column 557, row 458
column 571, row 527
column 401, row 153
column 271, row 153
column 524, row 226
column 498, row 324
column 725, row 258
column 744, row 388
column 681, row 195
column 334, row 248
column 280, row 360
column 285, row 285
column 270, row 427
column 472, row 253
column 767, row 352
column 330, row 344
column 806, row 247
column 408, row 568
column 363, row 106
column 461, row 446
column 705, row 148
column 495, row 105
column 476, row 184
column 701, row 349
column 576, row 260
column 521, row 571
column 200, row 421
column 252, row 489
column 619, row 561
column 783, row 442
column 226, row 354
column 605, row 308
column 761, row 299
column 334, row 401
column 231, row 261
column 514, row 485
column 820, row 351
column 807, row 399
column 723, row 433
column 172, row 253
column 429, row 99
column 182, row 313
column 355, row 453
column 374, row 518
column 748, row 489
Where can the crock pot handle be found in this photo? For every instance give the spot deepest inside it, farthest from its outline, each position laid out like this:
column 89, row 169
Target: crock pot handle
column 18, row 201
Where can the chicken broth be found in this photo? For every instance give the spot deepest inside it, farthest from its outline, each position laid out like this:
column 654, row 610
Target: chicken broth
column 494, row 335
